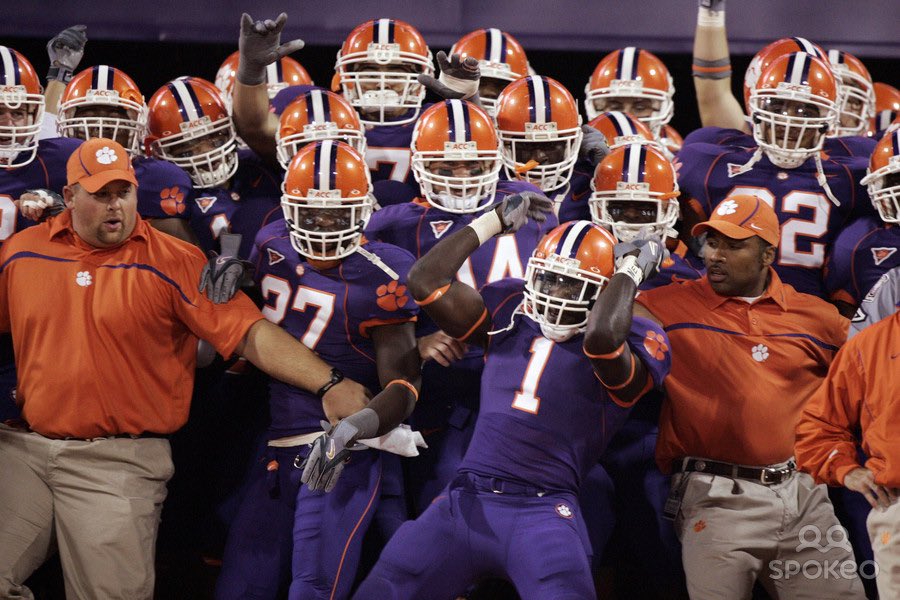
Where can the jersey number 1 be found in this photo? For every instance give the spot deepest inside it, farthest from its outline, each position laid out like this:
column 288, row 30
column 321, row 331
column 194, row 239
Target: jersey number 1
column 526, row 398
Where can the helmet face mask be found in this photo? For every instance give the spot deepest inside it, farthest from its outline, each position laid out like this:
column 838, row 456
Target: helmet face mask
column 21, row 109
column 883, row 178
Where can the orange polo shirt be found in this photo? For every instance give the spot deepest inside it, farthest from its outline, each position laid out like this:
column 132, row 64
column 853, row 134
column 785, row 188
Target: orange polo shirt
column 106, row 339
column 741, row 372
column 862, row 390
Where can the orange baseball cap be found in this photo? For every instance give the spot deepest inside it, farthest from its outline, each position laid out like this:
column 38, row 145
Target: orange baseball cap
column 742, row 216
column 97, row 162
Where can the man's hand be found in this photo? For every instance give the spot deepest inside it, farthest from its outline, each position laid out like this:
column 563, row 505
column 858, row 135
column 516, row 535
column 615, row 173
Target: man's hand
column 325, row 462
column 648, row 254
column 260, row 45
column 458, row 79
column 66, row 48
column 515, row 210
column 223, row 273
column 862, row 480
column 441, row 348
column 712, row 5
column 593, row 146
column 344, row 399
column 40, row 204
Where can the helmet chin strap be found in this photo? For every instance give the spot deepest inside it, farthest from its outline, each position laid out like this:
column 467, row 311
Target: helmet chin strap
column 558, row 335
column 820, row 171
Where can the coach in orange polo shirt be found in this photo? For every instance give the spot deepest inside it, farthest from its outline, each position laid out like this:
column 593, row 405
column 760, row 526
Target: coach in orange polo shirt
column 105, row 317
column 747, row 352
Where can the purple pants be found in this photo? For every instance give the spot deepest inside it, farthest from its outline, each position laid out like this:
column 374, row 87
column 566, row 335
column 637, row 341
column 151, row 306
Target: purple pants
column 471, row 531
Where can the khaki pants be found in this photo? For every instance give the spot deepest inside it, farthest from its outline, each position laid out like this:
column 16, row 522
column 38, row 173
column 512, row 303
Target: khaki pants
column 884, row 533
column 735, row 531
column 99, row 501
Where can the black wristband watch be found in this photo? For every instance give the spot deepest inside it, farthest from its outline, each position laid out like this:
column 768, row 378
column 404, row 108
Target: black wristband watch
column 336, row 378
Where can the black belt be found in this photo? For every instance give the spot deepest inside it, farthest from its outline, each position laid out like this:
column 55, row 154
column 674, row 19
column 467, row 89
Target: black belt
column 499, row 486
column 772, row 475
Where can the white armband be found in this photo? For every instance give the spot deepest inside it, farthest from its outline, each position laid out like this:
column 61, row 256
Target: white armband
column 466, row 87
column 487, row 226
column 629, row 267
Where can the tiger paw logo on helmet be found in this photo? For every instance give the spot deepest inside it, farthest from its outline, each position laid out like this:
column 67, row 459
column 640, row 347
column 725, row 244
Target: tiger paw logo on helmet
column 729, row 207
column 172, row 201
column 391, row 296
column 106, row 156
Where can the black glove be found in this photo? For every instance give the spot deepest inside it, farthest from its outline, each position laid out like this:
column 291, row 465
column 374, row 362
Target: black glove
column 260, row 45
column 65, row 50
column 458, row 80
column 47, row 200
column 515, row 210
column 323, row 467
column 593, row 146
column 223, row 273
column 648, row 255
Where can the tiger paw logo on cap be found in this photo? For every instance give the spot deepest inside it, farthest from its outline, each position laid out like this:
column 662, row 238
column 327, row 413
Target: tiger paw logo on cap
column 729, row 207
column 106, row 155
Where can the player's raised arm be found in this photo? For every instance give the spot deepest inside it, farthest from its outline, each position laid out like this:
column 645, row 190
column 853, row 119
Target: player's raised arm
column 712, row 69
column 457, row 308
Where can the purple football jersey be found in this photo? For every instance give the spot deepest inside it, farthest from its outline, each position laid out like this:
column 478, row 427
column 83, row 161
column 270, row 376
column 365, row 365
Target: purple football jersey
column 862, row 253
column 809, row 221
column 850, row 146
column 573, row 205
column 330, row 311
column 251, row 201
column 164, row 189
column 545, row 418
column 390, row 161
column 680, row 265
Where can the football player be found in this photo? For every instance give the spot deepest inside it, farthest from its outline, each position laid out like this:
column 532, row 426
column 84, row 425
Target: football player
column 501, row 60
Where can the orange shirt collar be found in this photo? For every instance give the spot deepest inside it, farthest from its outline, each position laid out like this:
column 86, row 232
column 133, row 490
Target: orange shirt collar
column 62, row 224
column 775, row 292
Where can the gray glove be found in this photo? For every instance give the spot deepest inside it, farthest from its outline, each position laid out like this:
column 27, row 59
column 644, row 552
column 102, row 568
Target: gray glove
column 458, row 78
column 223, row 273
column 51, row 202
column 515, row 210
column 323, row 467
column 713, row 5
column 260, row 45
column 593, row 146
column 648, row 254
column 65, row 50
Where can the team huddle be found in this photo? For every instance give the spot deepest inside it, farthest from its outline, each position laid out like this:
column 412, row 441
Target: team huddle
column 571, row 338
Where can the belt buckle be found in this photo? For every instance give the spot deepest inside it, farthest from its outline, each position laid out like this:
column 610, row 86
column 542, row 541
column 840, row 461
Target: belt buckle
column 492, row 483
column 778, row 475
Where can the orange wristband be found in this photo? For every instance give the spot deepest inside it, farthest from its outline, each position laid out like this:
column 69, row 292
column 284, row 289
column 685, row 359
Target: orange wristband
column 626, row 382
column 472, row 329
column 435, row 295
column 608, row 356
column 406, row 384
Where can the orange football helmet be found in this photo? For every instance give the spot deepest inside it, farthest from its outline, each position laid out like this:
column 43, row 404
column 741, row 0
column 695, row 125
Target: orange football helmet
column 634, row 190
column 566, row 272
column 378, row 67
column 450, row 137
column 856, row 98
column 887, row 107
column 620, row 129
column 631, row 73
column 793, row 108
column 540, row 131
column 671, row 139
column 500, row 57
column 317, row 115
column 114, row 98
column 189, row 125
column 327, row 200
column 279, row 75
column 883, row 178
column 762, row 59
column 21, row 109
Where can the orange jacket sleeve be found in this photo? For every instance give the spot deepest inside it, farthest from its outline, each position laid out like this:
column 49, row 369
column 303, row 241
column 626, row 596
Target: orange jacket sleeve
column 825, row 446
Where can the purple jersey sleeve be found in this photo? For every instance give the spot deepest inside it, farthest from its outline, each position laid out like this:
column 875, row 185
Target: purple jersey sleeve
column 719, row 136
column 650, row 344
column 573, row 205
column 287, row 95
column 851, row 145
column 863, row 252
column 164, row 190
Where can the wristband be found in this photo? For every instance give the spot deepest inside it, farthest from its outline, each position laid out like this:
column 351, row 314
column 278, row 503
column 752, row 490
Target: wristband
column 466, row 87
column 711, row 69
column 624, row 383
column 63, row 74
column 709, row 18
column 629, row 267
column 406, row 384
column 435, row 295
column 608, row 356
column 336, row 378
column 486, row 226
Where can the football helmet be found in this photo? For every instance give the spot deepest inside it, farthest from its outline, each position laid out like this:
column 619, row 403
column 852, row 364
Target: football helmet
column 121, row 114
column 883, row 178
column 887, row 107
column 500, row 57
column 21, row 109
column 453, row 137
column 279, row 75
column 634, row 189
column 540, row 131
column 620, row 129
column 670, row 139
column 189, row 125
column 762, row 59
column 566, row 272
column 317, row 115
column 793, row 107
column 378, row 67
column 632, row 73
column 327, row 200
column 856, row 96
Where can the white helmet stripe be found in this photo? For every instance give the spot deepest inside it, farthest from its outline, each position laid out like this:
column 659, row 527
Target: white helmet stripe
column 627, row 59
column 807, row 45
column 572, row 236
column 8, row 66
column 186, row 101
column 633, row 159
column 318, row 109
column 324, row 177
column 459, row 120
column 104, row 78
column 383, row 31
column 796, row 74
column 496, row 45
column 540, row 107
column 623, row 123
